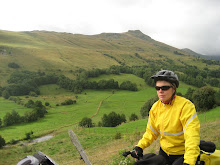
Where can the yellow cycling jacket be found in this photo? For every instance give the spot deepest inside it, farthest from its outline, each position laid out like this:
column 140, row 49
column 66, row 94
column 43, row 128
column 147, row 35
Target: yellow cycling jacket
column 178, row 126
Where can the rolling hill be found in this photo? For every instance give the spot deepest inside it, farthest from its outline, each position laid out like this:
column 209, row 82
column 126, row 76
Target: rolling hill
column 65, row 52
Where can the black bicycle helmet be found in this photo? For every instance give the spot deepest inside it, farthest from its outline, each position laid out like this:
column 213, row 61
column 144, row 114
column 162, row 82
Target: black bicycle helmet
column 166, row 75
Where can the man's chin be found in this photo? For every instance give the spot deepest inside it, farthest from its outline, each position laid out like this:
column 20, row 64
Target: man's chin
column 163, row 100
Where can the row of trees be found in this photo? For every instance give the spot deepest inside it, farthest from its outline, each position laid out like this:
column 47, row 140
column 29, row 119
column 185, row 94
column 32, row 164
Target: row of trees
column 24, row 82
column 191, row 75
column 38, row 111
column 78, row 85
column 108, row 120
column 13, row 117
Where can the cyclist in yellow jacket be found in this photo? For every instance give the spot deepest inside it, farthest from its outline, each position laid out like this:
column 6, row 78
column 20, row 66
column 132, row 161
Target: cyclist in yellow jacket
column 174, row 118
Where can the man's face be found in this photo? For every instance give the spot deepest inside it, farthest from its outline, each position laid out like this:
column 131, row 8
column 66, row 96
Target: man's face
column 164, row 95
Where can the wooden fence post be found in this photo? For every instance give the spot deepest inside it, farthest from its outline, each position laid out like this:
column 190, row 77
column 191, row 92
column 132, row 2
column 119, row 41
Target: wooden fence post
column 78, row 146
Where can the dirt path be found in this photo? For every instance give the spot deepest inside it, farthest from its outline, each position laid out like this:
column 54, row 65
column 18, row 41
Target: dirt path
column 100, row 106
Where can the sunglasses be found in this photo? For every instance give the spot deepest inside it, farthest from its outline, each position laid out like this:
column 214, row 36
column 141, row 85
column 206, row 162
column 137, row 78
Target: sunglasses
column 164, row 88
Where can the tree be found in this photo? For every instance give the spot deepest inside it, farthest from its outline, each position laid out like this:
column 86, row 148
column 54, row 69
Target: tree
column 0, row 122
column 189, row 93
column 31, row 93
column 102, row 84
column 29, row 104
column 147, row 106
column 217, row 97
column 204, row 98
column 214, row 82
column 5, row 94
column 113, row 119
column 7, row 119
column 11, row 118
column 38, row 104
column 86, row 122
column 2, row 141
column 30, row 116
column 16, row 118
column 133, row 117
column 40, row 112
column 1, row 90
column 128, row 85
column 112, row 84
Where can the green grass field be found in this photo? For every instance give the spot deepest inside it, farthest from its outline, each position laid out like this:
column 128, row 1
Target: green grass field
column 62, row 118
column 8, row 106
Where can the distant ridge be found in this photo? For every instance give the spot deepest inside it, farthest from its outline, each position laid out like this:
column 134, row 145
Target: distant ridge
column 201, row 55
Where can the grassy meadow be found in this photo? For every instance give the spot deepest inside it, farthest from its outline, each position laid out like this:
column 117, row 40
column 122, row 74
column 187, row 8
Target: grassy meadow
column 99, row 143
column 123, row 101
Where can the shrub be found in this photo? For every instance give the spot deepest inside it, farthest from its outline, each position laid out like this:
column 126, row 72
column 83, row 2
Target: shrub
column 113, row 119
column 189, row 94
column 13, row 141
column 30, row 116
column 13, row 65
column 2, row 141
column 86, row 122
column 147, row 106
column 28, row 135
column 29, row 104
column 47, row 104
column 133, row 117
column 217, row 98
column 17, row 100
column 11, row 118
column 5, row 94
column 68, row 102
column 38, row 104
column 204, row 98
column 1, row 90
column 31, row 93
column 117, row 135
column 40, row 112
column 128, row 85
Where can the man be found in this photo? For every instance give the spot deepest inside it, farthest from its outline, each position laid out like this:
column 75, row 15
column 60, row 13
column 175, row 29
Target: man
column 174, row 118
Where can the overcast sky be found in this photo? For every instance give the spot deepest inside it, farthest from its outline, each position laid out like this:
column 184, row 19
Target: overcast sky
column 193, row 24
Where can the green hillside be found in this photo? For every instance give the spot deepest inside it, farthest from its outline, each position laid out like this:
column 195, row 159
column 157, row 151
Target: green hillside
column 76, row 56
column 65, row 52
